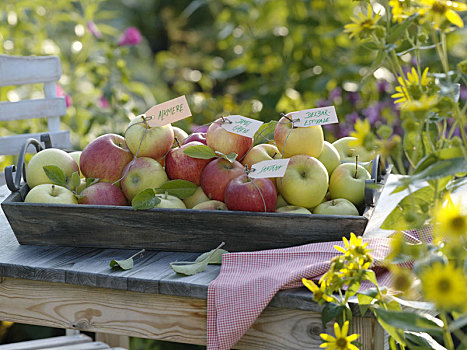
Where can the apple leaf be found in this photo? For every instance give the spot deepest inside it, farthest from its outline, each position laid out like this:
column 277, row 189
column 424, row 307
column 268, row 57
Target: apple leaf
column 189, row 268
column 200, row 152
column 229, row 157
column 265, row 133
column 126, row 264
column 91, row 181
column 178, row 188
column 145, row 199
column 75, row 181
column 55, row 174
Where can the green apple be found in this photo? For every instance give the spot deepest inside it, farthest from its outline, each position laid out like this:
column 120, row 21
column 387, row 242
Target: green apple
column 366, row 165
column 180, row 135
column 76, row 155
column 347, row 151
column 49, row 193
column 211, row 205
column 308, row 140
column 329, row 157
column 339, row 206
column 281, row 201
column 305, row 181
column 35, row 174
column 143, row 173
column 168, row 201
column 293, row 209
column 261, row 152
column 196, row 198
column 348, row 181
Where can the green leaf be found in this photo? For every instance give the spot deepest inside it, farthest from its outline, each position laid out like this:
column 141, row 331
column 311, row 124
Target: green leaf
column 189, row 268
column 200, row 152
column 229, row 157
column 422, row 341
column 214, row 256
column 265, row 133
column 397, row 31
column 179, row 188
column 410, row 321
column 330, row 312
column 145, row 199
column 353, row 288
column 376, row 64
column 441, row 169
column 55, row 174
column 75, row 181
column 371, row 276
column 458, row 323
column 416, row 205
column 91, row 181
column 126, row 264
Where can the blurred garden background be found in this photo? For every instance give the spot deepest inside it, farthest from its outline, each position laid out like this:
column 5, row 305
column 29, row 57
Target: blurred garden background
column 257, row 58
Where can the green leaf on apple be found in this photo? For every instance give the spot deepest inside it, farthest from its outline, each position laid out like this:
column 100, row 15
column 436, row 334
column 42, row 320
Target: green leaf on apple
column 229, row 157
column 75, row 181
column 190, row 268
column 55, row 174
column 200, row 152
column 265, row 133
column 178, row 188
column 91, row 181
column 146, row 199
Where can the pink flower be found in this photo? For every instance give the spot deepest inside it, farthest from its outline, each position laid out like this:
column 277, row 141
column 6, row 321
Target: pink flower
column 93, row 29
column 103, row 102
column 130, row 37
column 61, row 93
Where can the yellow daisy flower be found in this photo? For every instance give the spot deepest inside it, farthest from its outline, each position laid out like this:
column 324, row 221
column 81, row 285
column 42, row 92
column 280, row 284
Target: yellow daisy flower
column 319, row 293
column 354, row 247
column 363, row 24
column 450, row 221
column 362, row 129
column 446, row 286
column 341, row 341
column 412, row 87
column 401, row 10
column 437, row 11
column 424, row 103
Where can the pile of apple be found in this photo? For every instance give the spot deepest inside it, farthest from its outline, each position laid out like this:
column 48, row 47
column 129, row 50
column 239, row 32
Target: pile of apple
column 321, row 178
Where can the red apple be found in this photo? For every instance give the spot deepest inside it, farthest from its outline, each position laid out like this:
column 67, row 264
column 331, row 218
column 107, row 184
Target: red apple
column 105, row 157
column 102, row 193
column 196, row 136
column 243, row 193
column 217, row 175
column 178, row 165
column 227, row 142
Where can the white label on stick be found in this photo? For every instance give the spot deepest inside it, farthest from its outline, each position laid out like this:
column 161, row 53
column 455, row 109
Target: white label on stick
column 315, row 116
column 168, row 112
column 269, row 168
column 241, row 125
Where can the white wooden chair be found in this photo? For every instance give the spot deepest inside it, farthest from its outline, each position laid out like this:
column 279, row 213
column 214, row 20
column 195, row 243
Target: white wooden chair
column 16, row 70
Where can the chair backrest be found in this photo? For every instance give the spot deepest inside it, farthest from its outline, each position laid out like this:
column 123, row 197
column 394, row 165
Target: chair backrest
column 17, row 70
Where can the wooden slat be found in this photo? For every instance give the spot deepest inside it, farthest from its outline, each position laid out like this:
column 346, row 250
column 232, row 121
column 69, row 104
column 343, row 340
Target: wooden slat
column 28, row 109
column 48, row 343
column 11, row 145
column 16, row 70
column 156, row 316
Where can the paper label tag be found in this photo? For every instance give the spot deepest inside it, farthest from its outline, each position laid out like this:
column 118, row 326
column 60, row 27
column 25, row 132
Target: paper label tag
column 269, row 168
column 241, row 125
column 315, row 116
column 168, row 112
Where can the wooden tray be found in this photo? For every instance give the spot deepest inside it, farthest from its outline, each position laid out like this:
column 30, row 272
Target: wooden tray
column 176, row 229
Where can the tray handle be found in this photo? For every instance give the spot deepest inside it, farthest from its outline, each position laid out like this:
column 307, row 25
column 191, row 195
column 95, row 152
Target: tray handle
column 370, row 185
column 13, row 182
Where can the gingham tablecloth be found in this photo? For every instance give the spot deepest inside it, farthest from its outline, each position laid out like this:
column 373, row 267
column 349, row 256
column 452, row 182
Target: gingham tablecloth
column 248, row 281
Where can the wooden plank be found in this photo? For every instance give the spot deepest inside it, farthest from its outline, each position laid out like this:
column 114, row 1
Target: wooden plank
column 19, row 70
column 154, row 316
column 48, row 342
column 122, row 341
column 11, row 145
column 29, row 109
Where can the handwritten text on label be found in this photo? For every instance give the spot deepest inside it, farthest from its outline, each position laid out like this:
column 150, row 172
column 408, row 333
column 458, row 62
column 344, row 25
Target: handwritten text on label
column 168, row 112
column 269, row 168
column 315, row 116
column 241, row 125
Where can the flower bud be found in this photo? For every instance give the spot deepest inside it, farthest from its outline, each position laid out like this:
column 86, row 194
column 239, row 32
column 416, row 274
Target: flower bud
column 380, row 32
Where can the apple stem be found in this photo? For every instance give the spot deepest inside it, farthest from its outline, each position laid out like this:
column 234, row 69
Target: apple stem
column 333, row 202
column 178, row 143
column 136, row 254
column 52, row 192
column 274, row 155
column 166, row 194
column 356, row 166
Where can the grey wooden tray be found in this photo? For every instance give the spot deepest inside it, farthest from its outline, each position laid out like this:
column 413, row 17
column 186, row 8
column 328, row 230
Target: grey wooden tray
column 174, row 229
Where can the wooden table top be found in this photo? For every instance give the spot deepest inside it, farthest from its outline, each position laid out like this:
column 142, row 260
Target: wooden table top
column 150, row 274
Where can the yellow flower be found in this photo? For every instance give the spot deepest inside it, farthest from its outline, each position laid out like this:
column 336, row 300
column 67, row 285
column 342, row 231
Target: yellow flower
column 341, row 341
column 446, row 286
column 363, row 24
column 355, row 247
column 424, row 103
column 412, row 87
column 362, row 129
column 450, row 221
column 401, row 10
column 437, row 11
column 319, row 293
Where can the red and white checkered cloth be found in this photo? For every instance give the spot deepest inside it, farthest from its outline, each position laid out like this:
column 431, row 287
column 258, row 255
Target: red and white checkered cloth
column 248, row 281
